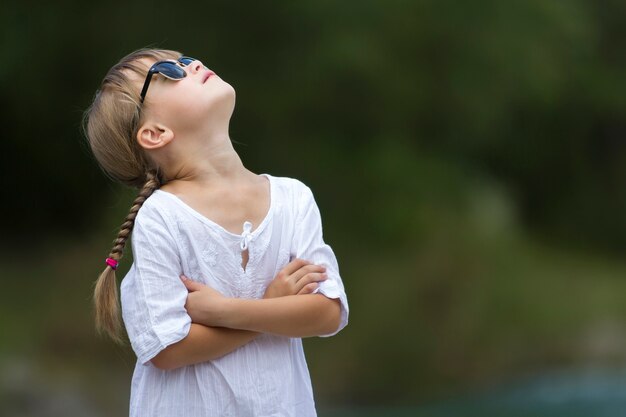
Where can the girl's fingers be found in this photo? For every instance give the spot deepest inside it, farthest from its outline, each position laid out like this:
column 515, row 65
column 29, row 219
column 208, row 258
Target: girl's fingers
column 294, row 266
column 309, row 288
column 191, row 285
column 304, row 271
column 308, row 279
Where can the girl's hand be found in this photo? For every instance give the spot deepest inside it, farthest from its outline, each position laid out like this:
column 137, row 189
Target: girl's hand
column 297, row 277
column 204, row 304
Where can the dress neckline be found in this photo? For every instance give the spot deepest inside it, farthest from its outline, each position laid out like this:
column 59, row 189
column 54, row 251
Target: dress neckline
column 219, row 227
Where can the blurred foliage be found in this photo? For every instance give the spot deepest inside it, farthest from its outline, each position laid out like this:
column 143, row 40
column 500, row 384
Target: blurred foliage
column 529, row 92
column 469, row 159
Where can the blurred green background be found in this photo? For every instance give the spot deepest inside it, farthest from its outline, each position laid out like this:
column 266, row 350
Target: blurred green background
column 468, row 158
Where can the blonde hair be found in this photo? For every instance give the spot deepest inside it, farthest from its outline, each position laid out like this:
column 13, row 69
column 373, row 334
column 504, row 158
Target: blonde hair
column 110, row 125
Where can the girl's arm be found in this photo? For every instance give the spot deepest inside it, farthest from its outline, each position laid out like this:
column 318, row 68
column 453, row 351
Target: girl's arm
column 204, row 343
column 201, row 344
column 291, row 316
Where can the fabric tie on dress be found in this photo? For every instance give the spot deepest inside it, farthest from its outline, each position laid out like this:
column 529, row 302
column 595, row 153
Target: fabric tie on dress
column 246, row 236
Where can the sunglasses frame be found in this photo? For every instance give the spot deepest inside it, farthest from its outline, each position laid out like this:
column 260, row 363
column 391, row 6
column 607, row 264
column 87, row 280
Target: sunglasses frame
column 157, row 68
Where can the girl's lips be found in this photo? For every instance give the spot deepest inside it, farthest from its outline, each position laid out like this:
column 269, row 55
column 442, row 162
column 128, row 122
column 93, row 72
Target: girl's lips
column 206, row 77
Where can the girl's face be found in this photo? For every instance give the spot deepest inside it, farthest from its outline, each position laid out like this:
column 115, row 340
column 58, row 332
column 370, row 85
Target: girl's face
column 201, row 101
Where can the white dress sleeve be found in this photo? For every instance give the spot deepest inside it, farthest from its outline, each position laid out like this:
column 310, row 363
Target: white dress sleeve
column 310, row 245
column 153, row 296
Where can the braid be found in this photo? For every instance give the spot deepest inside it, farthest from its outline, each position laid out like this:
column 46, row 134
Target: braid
column 105, row 293
column 151, row 184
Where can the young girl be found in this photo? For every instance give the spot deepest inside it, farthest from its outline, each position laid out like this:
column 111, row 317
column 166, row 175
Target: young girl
column 219, row 293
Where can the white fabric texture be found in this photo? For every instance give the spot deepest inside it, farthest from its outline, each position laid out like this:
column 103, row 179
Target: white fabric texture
column 266, row 377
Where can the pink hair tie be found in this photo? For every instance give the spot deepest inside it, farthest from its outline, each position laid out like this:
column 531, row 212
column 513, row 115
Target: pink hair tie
column 112, row 263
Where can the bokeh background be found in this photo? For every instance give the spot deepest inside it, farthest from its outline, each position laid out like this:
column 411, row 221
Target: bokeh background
column 468, row 158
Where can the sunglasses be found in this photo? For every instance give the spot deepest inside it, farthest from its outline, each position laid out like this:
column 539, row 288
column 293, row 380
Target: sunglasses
column 169, row 69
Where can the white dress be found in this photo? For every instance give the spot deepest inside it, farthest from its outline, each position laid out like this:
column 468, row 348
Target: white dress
column 266, row 377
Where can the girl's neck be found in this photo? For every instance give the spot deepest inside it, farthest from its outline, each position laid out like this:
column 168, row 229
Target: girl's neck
column 207, row 166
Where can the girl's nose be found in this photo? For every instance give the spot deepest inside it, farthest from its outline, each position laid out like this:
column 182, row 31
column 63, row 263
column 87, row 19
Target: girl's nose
column 196, row 66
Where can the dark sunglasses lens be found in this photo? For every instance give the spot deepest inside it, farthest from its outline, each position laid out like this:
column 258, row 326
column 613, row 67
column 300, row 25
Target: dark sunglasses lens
column 185, row 60
column 170, row 70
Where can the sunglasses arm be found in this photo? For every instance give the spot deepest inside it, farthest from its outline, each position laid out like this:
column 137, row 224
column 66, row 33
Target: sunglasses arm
column 146, row 84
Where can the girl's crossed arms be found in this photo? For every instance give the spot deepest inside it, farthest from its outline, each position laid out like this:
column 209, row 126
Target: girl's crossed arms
column 222, row 324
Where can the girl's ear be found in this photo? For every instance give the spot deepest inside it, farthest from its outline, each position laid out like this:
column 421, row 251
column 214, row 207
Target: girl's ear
column 154, row 135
